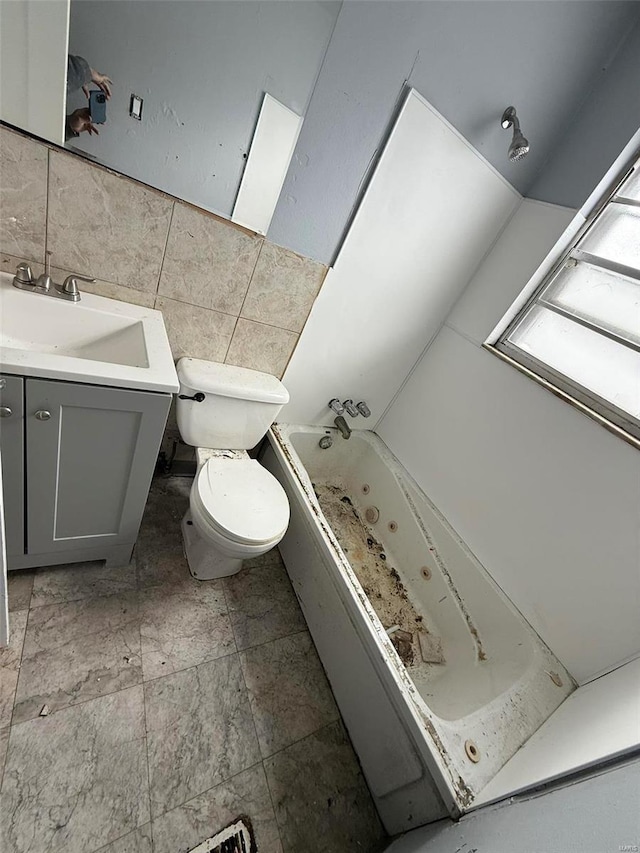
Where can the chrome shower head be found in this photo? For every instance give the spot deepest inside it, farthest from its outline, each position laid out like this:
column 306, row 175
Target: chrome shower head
column 519, row 147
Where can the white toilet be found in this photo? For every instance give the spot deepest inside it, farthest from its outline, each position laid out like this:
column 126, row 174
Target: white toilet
column 237, row 508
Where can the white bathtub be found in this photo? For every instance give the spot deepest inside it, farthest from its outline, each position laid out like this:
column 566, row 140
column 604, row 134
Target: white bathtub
column 429, row 736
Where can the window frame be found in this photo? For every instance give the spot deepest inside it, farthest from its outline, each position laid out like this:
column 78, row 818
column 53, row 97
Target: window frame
column 603, row 411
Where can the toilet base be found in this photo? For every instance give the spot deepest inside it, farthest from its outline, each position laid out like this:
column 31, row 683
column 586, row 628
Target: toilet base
column 205, row 562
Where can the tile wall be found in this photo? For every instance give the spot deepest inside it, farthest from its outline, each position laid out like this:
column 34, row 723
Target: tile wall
column 226, row 293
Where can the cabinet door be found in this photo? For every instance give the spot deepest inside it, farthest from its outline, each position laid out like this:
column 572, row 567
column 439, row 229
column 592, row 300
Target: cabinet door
column 91, row 452
column 12, row 445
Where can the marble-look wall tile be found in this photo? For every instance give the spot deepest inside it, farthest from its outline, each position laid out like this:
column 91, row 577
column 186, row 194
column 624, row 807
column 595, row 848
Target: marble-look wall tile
column 283, row 288
column 261, row 347
column 289, row 692
column 208, row 262
column 181, row 829
column 322, row 769
column 10, row 665
column 103, row 225
column 77, row 779
column 8, row 263
column 200, row 731
column 196, row 332
column 23, row 195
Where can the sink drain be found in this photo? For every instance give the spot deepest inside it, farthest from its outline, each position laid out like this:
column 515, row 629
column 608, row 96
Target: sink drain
column 236, row 838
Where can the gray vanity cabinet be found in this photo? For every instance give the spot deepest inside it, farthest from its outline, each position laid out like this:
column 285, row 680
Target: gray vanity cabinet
column 12, row 443
column 90, row 453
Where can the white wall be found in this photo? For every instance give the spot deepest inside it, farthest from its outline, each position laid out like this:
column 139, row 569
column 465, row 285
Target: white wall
column 546, row 498
column 431, row 211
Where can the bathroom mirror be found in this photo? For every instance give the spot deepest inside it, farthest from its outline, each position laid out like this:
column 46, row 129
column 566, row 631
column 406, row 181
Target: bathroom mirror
column 201, row 70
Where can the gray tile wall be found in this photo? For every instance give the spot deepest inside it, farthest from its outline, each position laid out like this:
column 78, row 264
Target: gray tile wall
column 226, row 293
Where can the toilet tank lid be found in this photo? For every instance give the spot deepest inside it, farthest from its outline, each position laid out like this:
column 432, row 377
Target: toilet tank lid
column 229, row 381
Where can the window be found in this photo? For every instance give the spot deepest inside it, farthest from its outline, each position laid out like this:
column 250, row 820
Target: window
column 580, row 331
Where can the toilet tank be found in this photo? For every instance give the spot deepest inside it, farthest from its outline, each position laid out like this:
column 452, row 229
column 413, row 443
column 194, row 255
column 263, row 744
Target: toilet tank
column 238, row 408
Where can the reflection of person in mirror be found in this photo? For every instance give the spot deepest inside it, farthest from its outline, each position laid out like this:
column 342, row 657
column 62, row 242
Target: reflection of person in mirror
column 79, row 75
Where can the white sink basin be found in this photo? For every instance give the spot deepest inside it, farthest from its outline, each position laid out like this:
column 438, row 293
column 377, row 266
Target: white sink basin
column 97, row 340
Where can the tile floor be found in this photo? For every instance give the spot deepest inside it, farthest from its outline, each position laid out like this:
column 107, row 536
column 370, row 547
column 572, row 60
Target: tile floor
column 174, row 707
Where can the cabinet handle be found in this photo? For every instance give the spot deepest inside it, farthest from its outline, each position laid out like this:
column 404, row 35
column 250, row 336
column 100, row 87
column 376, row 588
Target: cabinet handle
column 5, row 412
column 43, row 415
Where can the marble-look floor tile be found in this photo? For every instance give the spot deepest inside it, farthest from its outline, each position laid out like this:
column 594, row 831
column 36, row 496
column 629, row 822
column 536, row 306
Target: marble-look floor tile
column 80, row 580
column 262, row 605
column 4, row 743
column 183, row 628
column 288, row 690
column 283, row 288
column 208, row 262
column 132, row 221
column 10, row 664
column 54, row 625
column 23, row 195
column 77, row 779
column 20, row 585
column 78, row 650
column 261, row 347
column 247, row 794
column 200, row 731
column 138, row 841
column 320, row 797
column 196, row 332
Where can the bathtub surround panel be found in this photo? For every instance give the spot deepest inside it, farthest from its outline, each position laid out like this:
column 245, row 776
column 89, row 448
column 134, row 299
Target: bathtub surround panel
column 147, row 248
column 544, row 496
column 418, row 236
column 23, row 196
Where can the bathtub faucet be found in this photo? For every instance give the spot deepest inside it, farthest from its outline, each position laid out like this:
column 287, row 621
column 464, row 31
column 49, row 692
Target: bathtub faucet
column 343, row 426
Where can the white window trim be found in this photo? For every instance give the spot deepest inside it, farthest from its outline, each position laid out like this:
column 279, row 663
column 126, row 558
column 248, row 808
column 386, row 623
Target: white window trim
column 576, row 395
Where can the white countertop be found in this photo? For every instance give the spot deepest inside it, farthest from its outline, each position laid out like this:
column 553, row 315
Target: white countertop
column 97, row 341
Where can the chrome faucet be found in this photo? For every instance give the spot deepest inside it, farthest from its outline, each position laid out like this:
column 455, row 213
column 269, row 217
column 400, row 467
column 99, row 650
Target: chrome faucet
column 336, row 406
column 343, row 426
column 24, row 280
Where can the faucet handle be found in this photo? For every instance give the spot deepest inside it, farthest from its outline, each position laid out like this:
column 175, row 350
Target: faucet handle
column 70, row 285
column 24, row 274
column 364, row 410
column 336, row 406
column 351, row 408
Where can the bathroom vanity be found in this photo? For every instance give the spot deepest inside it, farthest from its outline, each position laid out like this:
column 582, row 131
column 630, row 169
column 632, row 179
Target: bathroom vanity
column 85, row 391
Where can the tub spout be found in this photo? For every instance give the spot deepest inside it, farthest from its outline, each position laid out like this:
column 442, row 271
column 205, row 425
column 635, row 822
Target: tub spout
column 343, row 426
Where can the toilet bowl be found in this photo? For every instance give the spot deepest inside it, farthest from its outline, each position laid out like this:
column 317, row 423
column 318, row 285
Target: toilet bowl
column 237, row 509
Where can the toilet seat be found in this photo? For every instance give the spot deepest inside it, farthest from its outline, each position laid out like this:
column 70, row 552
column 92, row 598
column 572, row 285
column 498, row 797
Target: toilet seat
column 241, row 501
